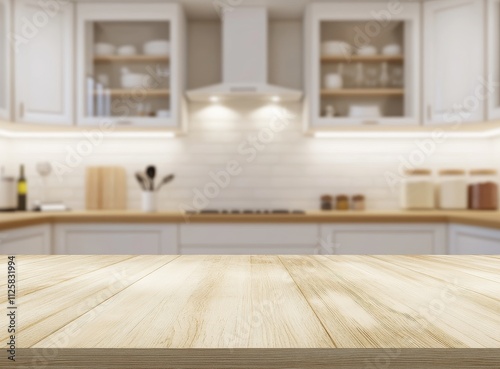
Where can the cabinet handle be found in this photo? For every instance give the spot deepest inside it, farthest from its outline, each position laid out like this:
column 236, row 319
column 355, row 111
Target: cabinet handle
column 21, row 110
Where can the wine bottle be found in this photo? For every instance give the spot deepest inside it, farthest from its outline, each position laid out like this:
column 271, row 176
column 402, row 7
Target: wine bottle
column 22, row 191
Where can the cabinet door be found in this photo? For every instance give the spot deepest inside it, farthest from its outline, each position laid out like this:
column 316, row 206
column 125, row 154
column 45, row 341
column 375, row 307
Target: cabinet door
column 5, row 86
column 26, row 241
column 383, row 239
column 43, row 54
column 248, row 239
column 115, row 239
column 493, row 37
column 467, row 240
column 454, row 58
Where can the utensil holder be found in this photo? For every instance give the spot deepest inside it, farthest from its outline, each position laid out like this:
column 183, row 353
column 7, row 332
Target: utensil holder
column 149, row 201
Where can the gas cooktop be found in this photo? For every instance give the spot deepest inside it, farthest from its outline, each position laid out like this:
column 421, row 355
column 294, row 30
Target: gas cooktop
column 245, row 212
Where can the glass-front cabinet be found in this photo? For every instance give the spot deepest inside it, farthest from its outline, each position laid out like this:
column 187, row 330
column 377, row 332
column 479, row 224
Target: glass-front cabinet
column 362, row 64
column 4, row 60
column 130, row 68
column 493, row 13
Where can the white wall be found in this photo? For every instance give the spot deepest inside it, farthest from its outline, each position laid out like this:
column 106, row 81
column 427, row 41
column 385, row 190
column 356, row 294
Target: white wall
column 293, row 171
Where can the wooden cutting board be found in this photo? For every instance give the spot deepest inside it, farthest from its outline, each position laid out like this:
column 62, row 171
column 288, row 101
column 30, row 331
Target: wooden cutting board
column 106, row 188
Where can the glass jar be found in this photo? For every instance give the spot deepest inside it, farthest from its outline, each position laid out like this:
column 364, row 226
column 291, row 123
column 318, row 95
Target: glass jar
column 483, row 189
column 358, row 202
column 452, row 189
column 418, row 190
column 326, row 202
column 342, row 202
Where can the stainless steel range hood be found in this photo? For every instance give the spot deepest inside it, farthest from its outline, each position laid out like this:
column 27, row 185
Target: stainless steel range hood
column 245, row 61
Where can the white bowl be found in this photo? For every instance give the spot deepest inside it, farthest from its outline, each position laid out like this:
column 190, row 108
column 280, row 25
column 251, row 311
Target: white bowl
column 367, row 51
column 136, row 80
column 391, row 49
column 126, row 50
column 157, row 47
column 364, row 111
column 102, row 48
column 333, row 81
column 336, row 48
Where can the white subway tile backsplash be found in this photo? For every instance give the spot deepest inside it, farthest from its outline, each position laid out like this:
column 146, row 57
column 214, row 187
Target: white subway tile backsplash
column 291, row 170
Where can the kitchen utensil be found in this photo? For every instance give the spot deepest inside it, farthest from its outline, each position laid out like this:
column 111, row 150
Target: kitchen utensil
column 157, row 47
column 106, row 188
column 364, row 111
column 103, row 48
column 8, row 193
column 336, row 48
column 333, row 81
column 367, row 50
column 142, row 181
column 391, row 49
column 127, row 50
column 165, row 181
column 151, row 173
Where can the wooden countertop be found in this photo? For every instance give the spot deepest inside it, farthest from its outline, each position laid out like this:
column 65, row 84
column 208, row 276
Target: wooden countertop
column 490, row 219
column 256, row 312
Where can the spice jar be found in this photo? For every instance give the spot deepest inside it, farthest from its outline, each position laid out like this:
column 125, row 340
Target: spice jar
column 326, row 202
column 358, row 202
column 483, row 189
column 452, row 189
column 418, row 190
column 342, row 202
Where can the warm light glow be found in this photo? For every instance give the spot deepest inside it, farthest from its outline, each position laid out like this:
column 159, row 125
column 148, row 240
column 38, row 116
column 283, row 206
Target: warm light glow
column 214, row 99
column 276, row 99
column 27, row 134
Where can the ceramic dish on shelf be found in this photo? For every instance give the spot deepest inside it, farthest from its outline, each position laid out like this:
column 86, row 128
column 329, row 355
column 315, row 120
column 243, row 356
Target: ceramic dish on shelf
column 135, row 80
column 391, row 49
column 157, row 47
column 364, row 111
column 336, row 48
column 103, row 48
column 333, row 81
column 367, row 51
column 127, row 50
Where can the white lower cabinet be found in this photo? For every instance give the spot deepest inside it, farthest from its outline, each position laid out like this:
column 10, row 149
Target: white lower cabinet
column 35, row 240
column 383, row 239
column 248, row 239
column 115, row 239
column 468, row 240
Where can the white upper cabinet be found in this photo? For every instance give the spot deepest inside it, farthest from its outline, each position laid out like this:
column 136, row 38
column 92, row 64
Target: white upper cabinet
column 5, row 86
column 43, row 53
column 130, row 64
column 493, row 70
column 454, row 59
column 362, row 64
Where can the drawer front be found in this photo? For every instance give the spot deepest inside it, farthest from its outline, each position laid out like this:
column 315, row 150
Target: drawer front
column 248, row 234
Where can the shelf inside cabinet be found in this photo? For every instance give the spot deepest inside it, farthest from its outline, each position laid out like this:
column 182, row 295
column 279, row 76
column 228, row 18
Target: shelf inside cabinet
column 131, row 58
column 362, row 92
column 124, row 92
column 363, row 59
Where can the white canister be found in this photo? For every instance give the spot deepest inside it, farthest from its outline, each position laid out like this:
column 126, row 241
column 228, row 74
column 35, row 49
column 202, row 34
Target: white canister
column 149, row 201
column 334, row 81
column 8, row 194
column 452, row 191
column 418, row 190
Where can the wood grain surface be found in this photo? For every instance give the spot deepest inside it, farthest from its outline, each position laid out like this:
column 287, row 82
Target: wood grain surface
column 257, row 311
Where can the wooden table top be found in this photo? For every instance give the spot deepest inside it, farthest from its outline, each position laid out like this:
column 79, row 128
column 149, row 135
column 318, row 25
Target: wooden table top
column 251, row 311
